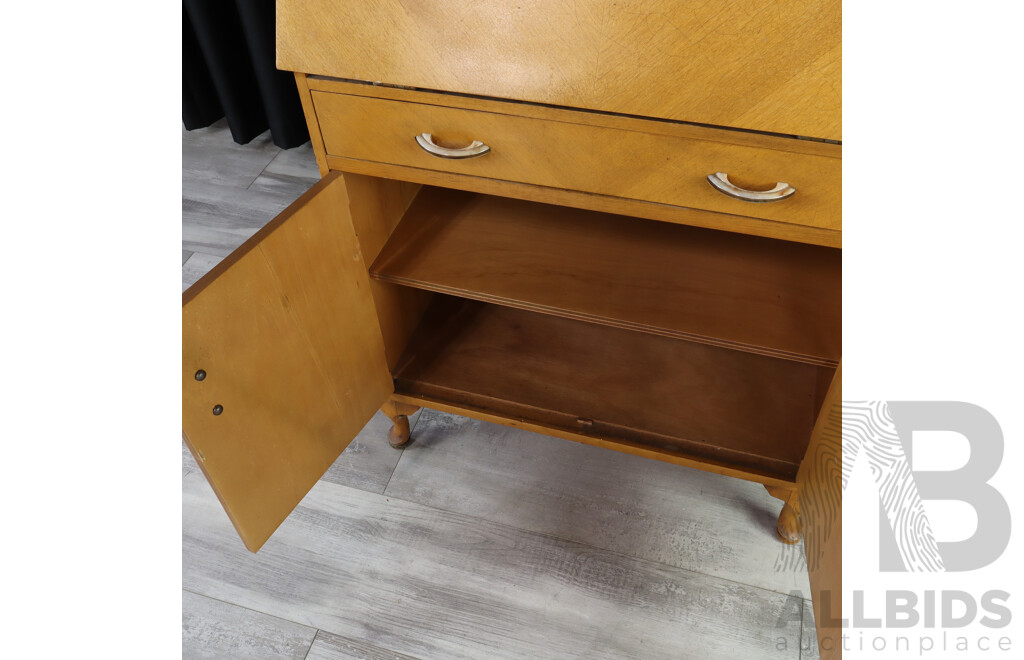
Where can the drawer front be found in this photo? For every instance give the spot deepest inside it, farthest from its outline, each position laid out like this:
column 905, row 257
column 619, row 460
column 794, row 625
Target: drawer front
column 764, row 65
column 648, row 165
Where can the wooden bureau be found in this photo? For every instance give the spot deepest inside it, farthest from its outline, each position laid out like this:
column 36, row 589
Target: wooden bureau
column 614, row 223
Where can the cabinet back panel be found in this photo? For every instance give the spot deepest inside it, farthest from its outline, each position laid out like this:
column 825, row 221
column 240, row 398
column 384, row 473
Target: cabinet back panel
column 747, row 410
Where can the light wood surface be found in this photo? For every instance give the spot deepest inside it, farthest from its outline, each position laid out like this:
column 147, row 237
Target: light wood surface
column 820, row 503
column 766, row 66
column 608, row 440
column 375, row 208
column 754, row 294
column 401, row 428
column 315, row 137
column 780, row 493
column 643, row 164
column 285, row 331
column 748, row 411
column 664, row 127
column 593, row 202
column 788, row 529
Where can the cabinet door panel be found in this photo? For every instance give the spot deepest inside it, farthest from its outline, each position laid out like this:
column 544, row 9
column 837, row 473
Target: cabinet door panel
column 282, row 360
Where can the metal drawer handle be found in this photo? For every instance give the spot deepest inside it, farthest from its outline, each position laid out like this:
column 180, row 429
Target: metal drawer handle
column 476, row 148
column 721, row 183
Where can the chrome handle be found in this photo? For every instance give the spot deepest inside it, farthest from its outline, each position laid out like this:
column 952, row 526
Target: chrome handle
column 476, row 148
column 720, row 182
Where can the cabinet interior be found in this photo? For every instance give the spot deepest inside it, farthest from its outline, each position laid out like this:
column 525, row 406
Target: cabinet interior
column 693, row 342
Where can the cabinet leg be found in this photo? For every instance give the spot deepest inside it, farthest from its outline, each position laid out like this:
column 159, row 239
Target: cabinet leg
column 788, row 528
column 399, row 435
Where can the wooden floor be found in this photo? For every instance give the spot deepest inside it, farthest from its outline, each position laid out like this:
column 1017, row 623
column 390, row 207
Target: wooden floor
column 477, row 541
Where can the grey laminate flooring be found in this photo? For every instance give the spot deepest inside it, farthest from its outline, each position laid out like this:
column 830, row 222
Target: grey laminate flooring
column 477, row 541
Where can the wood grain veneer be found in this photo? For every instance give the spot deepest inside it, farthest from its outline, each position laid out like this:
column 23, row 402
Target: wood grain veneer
column 285, row 332
column 577, row 116
column 604, row 203
column 820, row 505
column 648, row 162
column 753, row 294
column 747, row 410
column 375, row 207
column 768, row 66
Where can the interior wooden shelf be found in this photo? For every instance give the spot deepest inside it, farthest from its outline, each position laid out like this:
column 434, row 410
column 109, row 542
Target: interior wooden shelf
column 734, row 408
column 742, row 292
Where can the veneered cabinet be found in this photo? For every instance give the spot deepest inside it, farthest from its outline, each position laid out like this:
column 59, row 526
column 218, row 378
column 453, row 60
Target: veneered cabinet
column 579, row 255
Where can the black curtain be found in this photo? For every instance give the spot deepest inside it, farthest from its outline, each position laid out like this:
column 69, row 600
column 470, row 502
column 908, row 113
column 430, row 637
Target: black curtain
column 228, row 71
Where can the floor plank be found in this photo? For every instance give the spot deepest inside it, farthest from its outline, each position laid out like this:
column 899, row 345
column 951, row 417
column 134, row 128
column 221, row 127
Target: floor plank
column 292, row 170
column 435, row 584
column 198, row 265
column 808, row 635
column 369, row 461
column 210, row 155
column 188, row 462
column 334, row 647
column 643, row 508
column 216, row 219
column 214, row 629
column 299, row 162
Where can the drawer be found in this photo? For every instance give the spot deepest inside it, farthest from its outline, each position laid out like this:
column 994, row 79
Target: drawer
column 764, row 65
column 649, row 161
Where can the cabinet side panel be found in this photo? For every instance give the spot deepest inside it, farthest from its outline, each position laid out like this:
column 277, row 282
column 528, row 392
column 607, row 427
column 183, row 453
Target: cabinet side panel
column 820, row 502
column 312, row 123
column 283, row 361
column 376, row 206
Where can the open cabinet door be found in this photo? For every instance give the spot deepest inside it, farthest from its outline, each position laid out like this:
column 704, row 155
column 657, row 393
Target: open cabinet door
column 820, row 502
column 282, row 360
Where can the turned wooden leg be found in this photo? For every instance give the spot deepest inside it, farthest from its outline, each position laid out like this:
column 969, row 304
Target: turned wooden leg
column 788, row 528
column 399, row 435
